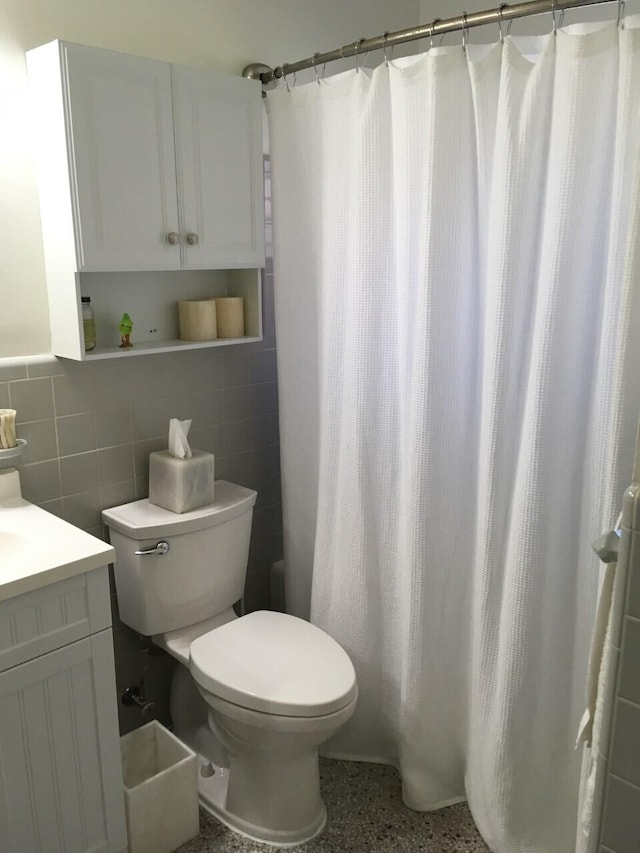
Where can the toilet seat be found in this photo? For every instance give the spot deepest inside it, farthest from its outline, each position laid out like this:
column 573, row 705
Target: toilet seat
column 276, row 664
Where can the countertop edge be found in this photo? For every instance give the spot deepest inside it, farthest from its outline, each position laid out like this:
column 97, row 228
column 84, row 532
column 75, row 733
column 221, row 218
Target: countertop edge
column 48, row 576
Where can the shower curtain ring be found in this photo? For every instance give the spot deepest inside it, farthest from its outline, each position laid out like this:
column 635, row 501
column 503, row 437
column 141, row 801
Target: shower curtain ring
column 385, row 36
column 499, row 12
column 553, row 15
column 465, row 28
column 620, row 21
column 284, row 77
column 358, row 43
column 315, row 67
column 431, row 29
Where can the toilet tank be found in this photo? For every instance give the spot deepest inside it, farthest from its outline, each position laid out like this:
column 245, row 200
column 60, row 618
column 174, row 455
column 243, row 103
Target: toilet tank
column 203, row 572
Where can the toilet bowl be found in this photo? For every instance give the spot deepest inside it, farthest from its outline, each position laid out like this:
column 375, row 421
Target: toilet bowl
column 276, row 688
column 255, row 695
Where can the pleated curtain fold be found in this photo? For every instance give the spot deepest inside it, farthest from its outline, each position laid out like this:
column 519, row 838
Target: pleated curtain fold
column 457, row 269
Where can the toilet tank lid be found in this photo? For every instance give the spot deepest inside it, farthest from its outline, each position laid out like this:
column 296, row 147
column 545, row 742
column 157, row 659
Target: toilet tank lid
column 144, row 520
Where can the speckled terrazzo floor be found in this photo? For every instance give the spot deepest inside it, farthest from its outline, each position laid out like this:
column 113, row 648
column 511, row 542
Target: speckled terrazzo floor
column 365, row 813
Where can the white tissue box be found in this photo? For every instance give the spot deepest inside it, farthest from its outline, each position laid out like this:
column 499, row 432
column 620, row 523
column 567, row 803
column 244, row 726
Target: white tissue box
column 181, row 485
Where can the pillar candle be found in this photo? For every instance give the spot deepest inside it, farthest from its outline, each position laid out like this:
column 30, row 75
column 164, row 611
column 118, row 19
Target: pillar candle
column 7, row 428
column 230, row 313
column 197, row 319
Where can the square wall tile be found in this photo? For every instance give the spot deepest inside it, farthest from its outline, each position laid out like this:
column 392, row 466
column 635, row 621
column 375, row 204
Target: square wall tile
column 150, row 418
column 76, row 433
column 264, row 398
column 237, row 403
column 40, row 482
column 83, row 510
column 12, row 368
column 633, row 603
column 630, row 666
column 266, row 461
column 205, row 410
column 237, row 436
column 235, row 367
column 264, row 430
column 32, row 399
column 73, row 393
column 621, row 826
column 79, row 473
column 262, row 366
column 211, row 439
column 4, row 395
column 41, row 441
column 235, row 469
column 154, row 376
column 111, row 383
column 117, row 494
column 198, row 371
column 625, row 747
column 114, row 426
column 115, row 464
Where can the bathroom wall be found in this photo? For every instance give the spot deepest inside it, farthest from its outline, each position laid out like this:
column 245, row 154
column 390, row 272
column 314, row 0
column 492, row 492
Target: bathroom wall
column 205, row 33
column 91, row 426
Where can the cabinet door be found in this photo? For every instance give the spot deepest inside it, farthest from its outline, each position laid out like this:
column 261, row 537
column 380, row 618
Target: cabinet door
column 218, row 131
column 120, row 127
column 60, row 776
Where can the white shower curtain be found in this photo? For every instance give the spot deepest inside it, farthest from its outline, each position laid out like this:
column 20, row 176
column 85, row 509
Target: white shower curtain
column 457, row 265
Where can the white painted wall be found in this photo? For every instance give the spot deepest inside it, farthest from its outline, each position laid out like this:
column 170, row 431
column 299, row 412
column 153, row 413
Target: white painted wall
column 430, row 9
column 224, row 34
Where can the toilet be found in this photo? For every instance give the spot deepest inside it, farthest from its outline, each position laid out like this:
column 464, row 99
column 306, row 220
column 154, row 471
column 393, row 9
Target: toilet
column 254, row 695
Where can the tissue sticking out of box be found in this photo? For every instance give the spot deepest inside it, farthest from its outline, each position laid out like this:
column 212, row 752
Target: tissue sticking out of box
column 181, row 479
column 178, row 444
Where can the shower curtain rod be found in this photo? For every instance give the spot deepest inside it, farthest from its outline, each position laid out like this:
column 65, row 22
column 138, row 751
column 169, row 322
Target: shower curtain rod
column 504, row 13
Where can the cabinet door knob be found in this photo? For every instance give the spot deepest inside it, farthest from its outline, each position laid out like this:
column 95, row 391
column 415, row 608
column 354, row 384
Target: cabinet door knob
column 193, row 239
column 173, row 237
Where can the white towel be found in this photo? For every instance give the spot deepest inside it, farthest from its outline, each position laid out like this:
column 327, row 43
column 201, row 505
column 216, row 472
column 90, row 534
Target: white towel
column 598, row 657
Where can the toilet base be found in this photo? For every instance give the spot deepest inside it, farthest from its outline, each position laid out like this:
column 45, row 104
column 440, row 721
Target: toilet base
column 212, row 790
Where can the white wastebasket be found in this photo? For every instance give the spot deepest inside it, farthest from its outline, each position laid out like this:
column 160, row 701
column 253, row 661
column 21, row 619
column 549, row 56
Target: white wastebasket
column 160, row 790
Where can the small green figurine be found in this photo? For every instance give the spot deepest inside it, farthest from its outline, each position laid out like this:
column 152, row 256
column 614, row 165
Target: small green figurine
column 125, row 327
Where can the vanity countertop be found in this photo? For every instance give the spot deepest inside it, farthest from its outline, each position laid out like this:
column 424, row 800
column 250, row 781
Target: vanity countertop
column 38, row 549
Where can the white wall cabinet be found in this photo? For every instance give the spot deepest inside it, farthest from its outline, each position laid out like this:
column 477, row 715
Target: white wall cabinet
column 143, row 166
column 119, row 131
column 60, row 774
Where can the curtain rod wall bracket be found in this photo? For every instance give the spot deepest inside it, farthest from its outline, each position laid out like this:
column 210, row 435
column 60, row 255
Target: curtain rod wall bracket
column 255, row 70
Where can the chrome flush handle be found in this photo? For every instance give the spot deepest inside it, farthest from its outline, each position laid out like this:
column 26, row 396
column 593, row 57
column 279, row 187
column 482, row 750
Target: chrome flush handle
column 160, row 548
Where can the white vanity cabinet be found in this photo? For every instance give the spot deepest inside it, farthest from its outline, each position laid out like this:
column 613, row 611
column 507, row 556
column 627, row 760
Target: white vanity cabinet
column 60, row 777
column 143, row 166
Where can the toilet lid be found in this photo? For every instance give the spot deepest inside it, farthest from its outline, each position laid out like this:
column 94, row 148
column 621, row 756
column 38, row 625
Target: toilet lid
column 274, row 663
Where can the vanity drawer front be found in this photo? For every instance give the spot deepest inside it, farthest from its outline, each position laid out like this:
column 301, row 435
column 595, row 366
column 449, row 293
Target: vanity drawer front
column 46, row 619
